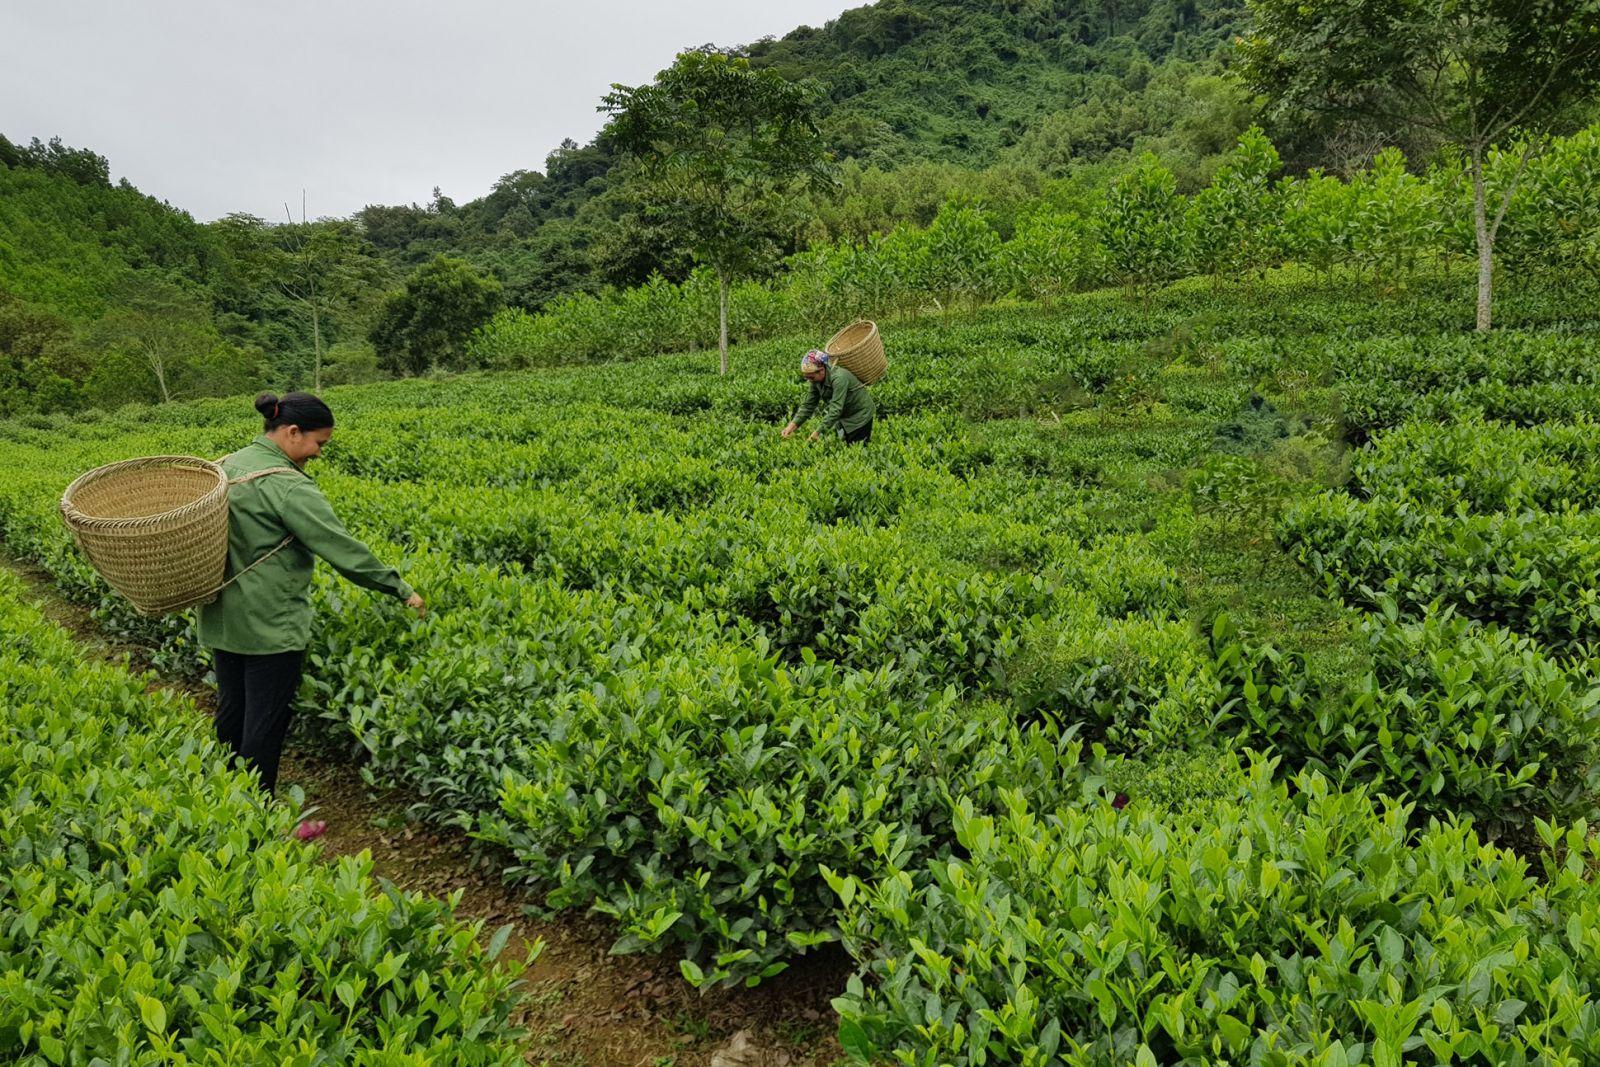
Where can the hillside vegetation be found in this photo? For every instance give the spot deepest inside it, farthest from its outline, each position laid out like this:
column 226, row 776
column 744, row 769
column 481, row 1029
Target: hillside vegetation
column 918, row 102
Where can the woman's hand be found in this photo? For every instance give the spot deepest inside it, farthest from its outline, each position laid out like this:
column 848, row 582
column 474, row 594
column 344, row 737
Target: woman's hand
column 788, row 431
column 416, row 604
column 815, row 434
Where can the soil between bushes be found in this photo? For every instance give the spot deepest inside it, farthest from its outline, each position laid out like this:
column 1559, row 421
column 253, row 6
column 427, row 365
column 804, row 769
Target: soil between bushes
column 582, row 1005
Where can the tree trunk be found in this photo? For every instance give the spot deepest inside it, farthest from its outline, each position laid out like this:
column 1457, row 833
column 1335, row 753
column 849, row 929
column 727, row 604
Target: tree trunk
column 316, row 341
column 159, row 366
column 1480, row 226
column 722, row 308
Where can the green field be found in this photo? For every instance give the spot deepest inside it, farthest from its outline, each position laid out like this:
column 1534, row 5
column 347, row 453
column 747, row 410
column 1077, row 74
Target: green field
column 1311, row 578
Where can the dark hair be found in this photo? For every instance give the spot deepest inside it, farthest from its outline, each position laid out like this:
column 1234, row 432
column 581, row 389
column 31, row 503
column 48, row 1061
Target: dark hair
column 294, row 409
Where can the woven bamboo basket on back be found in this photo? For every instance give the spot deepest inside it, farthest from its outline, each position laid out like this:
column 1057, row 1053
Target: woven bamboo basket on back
column 858, row 348
column 156, row 529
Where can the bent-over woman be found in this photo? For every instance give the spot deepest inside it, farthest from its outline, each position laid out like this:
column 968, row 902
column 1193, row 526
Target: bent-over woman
column 846, row 404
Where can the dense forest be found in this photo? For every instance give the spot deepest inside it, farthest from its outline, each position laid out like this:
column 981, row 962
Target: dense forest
column 982, row 97
column 1020, row 108
column 916, row 100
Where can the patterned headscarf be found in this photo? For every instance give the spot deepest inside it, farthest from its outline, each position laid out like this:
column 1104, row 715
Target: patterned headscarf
column 816, row 359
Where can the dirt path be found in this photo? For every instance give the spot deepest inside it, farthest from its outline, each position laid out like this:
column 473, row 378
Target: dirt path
column 582, row 1007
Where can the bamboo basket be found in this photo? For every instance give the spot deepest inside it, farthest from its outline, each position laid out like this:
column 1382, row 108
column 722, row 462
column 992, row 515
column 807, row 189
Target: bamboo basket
column 858, row 348
column 156, row 529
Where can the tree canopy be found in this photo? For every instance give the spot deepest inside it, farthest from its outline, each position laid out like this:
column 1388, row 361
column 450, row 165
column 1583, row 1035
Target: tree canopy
column 1470, row 73
column 722, row 150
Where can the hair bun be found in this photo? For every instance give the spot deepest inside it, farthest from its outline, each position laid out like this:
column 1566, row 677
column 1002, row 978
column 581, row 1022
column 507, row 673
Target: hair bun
column 267, row 404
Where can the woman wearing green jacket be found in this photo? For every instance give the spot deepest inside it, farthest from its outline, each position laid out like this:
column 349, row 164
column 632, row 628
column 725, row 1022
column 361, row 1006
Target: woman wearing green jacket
column 258, row 626
column 847, row 405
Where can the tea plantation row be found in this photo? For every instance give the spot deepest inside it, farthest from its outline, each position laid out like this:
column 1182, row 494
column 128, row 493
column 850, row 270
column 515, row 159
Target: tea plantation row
column 680, row 716
column 153, row 908
column 1282, row 920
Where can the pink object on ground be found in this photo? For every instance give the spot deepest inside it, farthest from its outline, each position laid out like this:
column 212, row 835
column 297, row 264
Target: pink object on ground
column 311, row 828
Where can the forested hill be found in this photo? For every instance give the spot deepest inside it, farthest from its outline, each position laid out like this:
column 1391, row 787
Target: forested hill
column 919, row 100
column 960, row 84
column 961, row 81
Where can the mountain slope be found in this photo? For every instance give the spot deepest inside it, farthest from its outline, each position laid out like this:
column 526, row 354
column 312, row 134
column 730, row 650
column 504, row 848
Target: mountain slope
column 1040, row 84
column 960, row 80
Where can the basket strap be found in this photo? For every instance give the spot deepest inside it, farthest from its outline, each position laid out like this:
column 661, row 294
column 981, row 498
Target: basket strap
column 253, row 475
column 281, row 545
column 243, row 478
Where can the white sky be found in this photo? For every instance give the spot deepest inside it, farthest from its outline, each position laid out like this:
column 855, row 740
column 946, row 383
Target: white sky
column 227, row 105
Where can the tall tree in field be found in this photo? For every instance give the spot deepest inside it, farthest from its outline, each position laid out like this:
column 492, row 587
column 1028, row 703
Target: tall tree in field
column 1234, row 225
column 1472, row 73
column 333, row 279
column 323, row 273
column 721, row 150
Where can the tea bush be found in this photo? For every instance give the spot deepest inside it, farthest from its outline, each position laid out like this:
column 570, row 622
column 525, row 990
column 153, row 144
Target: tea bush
column 1510, row 375
column 154, row 906
column 1458, row 517
column 698, row 801
column 1471, row 544
column 1290, row 923
column 588, row 568
column 1473, row 720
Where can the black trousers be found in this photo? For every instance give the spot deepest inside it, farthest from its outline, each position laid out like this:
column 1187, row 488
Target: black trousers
column 254, row 698
column 858, row 437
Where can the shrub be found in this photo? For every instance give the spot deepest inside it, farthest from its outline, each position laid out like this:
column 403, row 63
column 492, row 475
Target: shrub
column 153, row 904
column 1290, row 924
column 1473, row 720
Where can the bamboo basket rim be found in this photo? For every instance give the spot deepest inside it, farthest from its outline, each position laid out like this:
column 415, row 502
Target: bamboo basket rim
column 858, row 343
column 202, row 507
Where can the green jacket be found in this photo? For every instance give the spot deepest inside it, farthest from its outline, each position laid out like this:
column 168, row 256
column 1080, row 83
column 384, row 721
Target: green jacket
column 269, row 608
column 846, row 404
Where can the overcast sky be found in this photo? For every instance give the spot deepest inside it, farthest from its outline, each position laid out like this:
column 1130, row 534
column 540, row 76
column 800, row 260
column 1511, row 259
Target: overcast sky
column 222, row 105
